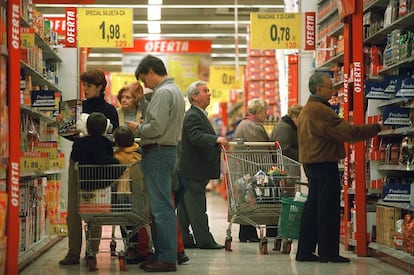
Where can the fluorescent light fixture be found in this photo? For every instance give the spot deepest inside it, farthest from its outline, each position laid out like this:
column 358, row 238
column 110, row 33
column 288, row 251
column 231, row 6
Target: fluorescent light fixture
column 228, row 46
column 153, row 28
column 187, row 35
column 192, row 22
column 153, row 14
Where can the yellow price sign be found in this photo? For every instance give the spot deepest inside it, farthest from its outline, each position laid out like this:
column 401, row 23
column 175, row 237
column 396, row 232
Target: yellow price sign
column 56, row 163
column 276, row 30
column 27, row 38
column 33, row 163
column 105, row 27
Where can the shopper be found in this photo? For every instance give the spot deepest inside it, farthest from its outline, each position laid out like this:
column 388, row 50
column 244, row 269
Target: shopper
column 251, row 129
column 130, row 110
column 321, row 137
column 199, row 162
column 93, row 85
column 159, row 134
column 285, row 132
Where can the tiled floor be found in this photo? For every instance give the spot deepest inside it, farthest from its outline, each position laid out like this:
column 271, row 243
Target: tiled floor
column 244, row 259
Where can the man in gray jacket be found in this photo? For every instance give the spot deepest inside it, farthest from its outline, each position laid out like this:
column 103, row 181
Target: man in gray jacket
column 159, row 134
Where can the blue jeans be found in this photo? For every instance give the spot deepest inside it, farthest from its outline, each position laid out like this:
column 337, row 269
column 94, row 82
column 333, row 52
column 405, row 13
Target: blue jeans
column 158, row 165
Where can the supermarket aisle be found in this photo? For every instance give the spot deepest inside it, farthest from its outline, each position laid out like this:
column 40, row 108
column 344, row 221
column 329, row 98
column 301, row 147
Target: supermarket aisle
column 244, row 259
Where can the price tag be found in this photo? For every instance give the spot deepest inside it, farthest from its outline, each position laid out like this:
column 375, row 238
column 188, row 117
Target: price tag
column 222, row 80
column 276, row 30
column 27, row 38
column 56, row 163
column 33, row 163
column 105, row 27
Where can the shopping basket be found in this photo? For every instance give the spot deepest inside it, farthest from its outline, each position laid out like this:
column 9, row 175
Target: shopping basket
column 257, row 176
column 100, row 203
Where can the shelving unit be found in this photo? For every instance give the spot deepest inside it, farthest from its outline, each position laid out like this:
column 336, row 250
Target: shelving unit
column 383, row 168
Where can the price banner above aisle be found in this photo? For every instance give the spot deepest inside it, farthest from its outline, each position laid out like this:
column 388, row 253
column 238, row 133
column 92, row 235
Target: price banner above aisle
column 276, row 30
column 105, row 27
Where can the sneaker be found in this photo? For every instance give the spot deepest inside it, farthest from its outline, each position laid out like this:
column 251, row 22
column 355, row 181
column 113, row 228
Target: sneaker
column 182, row 258
column 69, row 259
column 335, row 259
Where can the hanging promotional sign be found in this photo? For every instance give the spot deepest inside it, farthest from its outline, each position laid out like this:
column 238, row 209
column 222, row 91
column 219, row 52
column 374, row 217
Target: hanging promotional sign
column 276, row 30
column 310, row 31
column 222, row 80
column 105, row 27
column 71, row 28
column 169, row 46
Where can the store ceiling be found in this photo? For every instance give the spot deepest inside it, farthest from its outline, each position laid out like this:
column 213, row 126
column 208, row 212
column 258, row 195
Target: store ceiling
column 185, row 19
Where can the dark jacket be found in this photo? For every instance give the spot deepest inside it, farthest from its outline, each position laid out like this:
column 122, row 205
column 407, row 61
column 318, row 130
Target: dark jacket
column 94, row 150
column 98, row 104
column 200, row 157
column 285, row 132
column 322, row 133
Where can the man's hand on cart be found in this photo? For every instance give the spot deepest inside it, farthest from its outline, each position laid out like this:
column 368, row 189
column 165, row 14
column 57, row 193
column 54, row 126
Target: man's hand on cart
column 222, row 141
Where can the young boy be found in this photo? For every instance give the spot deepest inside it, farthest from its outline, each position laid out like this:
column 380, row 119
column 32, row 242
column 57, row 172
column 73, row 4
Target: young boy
column 94, row 148
column 127, row 153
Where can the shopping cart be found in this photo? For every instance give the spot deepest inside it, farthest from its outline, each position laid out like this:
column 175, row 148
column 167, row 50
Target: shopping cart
column 100, row 204
column 257, row 177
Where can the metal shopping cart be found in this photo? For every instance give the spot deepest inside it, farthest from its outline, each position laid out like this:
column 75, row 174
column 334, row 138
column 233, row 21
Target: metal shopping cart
column 101, row 204
column 257, row 177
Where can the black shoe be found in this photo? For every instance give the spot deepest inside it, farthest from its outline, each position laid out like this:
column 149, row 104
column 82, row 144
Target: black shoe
column 182, row 258
column 307, row 258
column 335, row 259
column 69, row 259
column 212, row 246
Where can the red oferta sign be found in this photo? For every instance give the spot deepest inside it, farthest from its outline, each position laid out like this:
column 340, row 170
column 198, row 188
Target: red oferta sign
column 310, row 30
column 170, row 46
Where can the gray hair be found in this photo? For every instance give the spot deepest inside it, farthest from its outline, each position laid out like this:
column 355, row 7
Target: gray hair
column 257, row 105
column 193, row 89
column 317, row 80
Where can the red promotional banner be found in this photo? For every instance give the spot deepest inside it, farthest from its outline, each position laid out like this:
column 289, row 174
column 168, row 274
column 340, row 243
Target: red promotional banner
column 170, row 46
column 71, row 28
column 293, row 79
column 13, row 173
column 310, row 30
column 58, row 24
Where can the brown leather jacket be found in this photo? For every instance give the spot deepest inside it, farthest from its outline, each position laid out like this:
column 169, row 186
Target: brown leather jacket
column 322, row 133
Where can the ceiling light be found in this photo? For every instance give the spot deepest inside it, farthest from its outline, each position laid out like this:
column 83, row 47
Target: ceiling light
column 154, row 27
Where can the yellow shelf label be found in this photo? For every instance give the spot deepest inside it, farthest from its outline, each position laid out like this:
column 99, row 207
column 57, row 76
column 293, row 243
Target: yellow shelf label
column 33, row 163
column 105, row 27
column 27, row 38
column 276, row 30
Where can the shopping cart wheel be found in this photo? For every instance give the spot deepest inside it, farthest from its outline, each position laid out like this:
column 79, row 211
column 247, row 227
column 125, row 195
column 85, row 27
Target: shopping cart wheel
column 277, row 244
column 122, row 263
column 112, row 245
column 227, row 244
column 92, row 266
column 263, row 246
column 287, row 246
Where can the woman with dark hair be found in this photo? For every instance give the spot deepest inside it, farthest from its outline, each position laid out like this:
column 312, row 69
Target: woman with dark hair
column 93, row 86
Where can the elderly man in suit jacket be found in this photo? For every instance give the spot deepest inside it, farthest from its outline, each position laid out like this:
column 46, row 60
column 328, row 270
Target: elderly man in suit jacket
column 200, row 162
